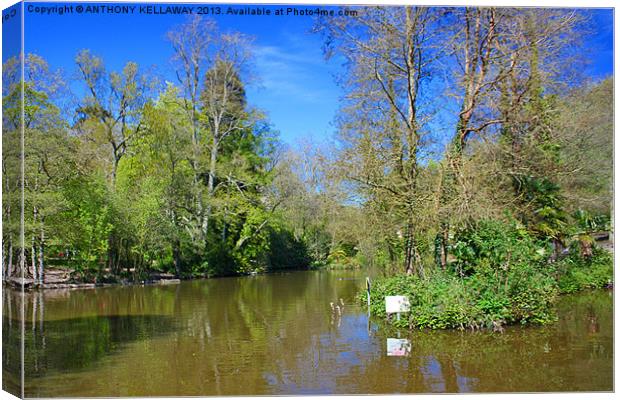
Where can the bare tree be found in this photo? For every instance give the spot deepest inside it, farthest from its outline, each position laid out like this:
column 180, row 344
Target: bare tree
column 390, row 54
column 503, row 58
column 111, row 110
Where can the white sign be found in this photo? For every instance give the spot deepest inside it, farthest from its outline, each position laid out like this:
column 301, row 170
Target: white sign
column 396, row 304
column 398, row 347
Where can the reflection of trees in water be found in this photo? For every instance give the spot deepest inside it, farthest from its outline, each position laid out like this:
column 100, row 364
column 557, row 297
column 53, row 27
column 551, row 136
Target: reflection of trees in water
column 65, row 344
column 261, row 325
column 11, row 344
column 272, row 334
column 220, row 330
column 70, row 330
column 89, row 340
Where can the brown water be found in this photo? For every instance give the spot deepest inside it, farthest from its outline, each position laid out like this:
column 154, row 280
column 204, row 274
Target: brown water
column 276, row 334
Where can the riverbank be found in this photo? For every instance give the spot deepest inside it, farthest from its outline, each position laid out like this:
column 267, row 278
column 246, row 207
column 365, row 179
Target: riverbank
column 62, row 279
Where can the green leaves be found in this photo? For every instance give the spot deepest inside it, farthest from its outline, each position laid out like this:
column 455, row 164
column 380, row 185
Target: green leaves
column 89, row 222
column 496, row 244
column 576, row 273
column 505, row 280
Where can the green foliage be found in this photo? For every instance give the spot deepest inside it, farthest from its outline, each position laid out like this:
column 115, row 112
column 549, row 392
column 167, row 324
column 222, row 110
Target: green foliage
column 446, row 301
column 142, row 183
column 89, row 222
column 343, row 256
column 547, row 218
column 506, row 279
column 576, row 273
column 286, row 251
column 319, row 243
column 586, row 222
column 251, row 248
column 491, row 244
column 218, row 261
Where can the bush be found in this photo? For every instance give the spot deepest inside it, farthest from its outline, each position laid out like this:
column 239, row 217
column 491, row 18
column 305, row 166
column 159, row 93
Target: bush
column 446, row 301
column 494, row 244
column 575, row 273
column 501, row 275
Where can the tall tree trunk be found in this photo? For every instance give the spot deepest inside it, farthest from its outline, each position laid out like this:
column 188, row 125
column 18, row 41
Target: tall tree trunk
column 443, row 256
column 4, row 258
column 476, row 58
column 35, row 220
column 41, row 256
column 410, row 260
column 224, row 225
column 176, row 253
column 33, row 256
column 210, row 186
column 7, row 218
column 111, row 252
column 10, row 263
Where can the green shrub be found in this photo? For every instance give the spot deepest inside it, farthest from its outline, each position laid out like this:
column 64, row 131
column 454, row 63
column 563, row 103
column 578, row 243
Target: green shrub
column 501, row 275
column 495, row 245
column 446, row 301
column 575, row 273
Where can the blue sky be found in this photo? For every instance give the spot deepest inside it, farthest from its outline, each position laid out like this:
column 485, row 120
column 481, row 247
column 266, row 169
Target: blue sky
column 296, row 86
column 602, row 43
column 11, row 32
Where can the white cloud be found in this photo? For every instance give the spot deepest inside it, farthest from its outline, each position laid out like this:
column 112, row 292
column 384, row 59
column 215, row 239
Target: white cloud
column 297, row 71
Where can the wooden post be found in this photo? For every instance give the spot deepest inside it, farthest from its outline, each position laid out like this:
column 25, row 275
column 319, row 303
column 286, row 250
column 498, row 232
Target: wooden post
column 368, row 293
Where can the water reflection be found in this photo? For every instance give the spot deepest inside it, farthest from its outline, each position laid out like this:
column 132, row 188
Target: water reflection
column 398, row 347
column 278, row 334
column 73, row 344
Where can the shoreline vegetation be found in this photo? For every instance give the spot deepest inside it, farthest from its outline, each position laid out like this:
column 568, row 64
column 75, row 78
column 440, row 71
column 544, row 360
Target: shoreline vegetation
column 471, row 164
column 501, row 276
column 62, row 278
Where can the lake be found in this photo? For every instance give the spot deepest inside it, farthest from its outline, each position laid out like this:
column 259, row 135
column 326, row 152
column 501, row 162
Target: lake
column 277, row 334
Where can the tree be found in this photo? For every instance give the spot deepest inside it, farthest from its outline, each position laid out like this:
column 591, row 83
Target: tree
column 389, row 54
column 110, row 112
column 45, row 159
column 13, row 260
column 503, row 58
column 586, row 146
column 157, row 179
column 109, row 117
column 209, row 63
column 224, row 103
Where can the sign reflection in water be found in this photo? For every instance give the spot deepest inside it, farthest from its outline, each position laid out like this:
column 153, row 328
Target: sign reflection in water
column 398, row 347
